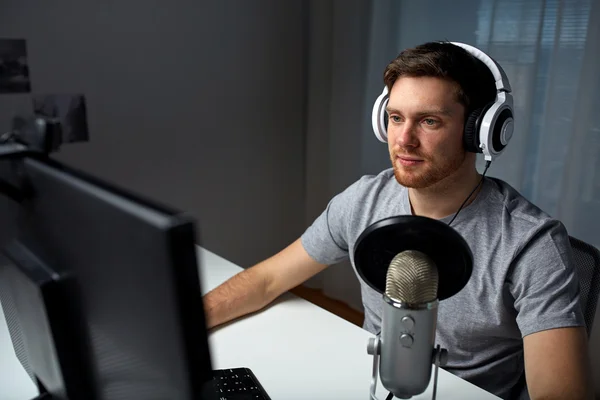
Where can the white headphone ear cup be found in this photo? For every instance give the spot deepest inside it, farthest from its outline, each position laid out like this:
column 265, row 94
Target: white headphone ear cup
column 497, row 126
column 503, row 130
column 378, row 116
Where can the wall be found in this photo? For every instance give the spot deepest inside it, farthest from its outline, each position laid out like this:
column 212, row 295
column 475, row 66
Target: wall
column 339, row 34
column 199, row 104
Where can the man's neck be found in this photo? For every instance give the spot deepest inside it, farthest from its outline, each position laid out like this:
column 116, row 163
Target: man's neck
column 445, row 197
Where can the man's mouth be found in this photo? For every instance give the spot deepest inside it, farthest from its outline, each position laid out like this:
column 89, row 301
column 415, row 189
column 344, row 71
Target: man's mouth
column 408, row 161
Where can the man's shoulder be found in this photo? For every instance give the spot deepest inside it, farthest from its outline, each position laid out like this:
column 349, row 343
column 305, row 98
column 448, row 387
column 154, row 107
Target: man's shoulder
column 521, row 218
column 510, row 201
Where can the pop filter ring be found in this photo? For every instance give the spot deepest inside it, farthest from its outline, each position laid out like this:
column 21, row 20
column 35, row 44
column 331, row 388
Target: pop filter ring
column 381, row 241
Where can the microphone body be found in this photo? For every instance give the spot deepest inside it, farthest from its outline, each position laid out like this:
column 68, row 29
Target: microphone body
column 408, row 324
column 407, row 346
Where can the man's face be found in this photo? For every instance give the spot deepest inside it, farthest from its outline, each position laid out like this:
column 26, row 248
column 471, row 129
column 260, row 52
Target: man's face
column 425, row 128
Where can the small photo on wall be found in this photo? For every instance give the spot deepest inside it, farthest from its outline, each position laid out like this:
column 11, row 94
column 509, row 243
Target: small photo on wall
column 14, row 70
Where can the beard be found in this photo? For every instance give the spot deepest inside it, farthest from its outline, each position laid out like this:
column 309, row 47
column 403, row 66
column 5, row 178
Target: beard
column 427, row 173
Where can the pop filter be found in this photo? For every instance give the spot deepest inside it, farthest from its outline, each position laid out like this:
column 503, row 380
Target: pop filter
column 380, row 242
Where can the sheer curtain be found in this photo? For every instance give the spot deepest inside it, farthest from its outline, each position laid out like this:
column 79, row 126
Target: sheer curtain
column 550, row 51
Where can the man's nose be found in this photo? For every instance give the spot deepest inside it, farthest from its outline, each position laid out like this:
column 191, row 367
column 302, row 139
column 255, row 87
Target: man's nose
column 405, row 134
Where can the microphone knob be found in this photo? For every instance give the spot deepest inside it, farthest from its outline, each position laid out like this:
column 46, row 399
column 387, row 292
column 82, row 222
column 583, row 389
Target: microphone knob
column 408, row 323
column 406, row 340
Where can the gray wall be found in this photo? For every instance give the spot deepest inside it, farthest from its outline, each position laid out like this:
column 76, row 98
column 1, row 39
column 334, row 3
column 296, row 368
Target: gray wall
column 339, row 34
column 200, row 105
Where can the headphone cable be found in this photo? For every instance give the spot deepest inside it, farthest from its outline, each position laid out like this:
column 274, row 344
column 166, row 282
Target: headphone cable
column 487, row 165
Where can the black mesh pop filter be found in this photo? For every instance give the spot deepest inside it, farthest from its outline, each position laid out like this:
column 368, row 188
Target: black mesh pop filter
column 383, row 240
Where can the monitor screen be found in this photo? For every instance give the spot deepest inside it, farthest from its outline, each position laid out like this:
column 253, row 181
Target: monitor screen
column 100, row 288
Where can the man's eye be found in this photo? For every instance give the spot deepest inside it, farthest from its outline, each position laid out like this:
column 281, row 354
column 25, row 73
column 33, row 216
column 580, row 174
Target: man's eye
column 430, row 121
column 395, row 118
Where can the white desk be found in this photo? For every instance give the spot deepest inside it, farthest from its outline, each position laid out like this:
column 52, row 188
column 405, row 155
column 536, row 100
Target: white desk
column 297, row 350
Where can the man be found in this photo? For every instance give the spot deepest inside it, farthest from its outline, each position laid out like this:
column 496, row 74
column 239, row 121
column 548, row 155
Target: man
column 520, row 310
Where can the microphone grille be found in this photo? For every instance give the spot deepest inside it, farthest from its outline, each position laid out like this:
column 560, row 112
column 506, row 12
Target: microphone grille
column 412, row 278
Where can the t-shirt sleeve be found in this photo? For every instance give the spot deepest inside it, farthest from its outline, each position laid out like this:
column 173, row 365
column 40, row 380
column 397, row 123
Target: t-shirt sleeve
column 326, row 240
column 544, row 282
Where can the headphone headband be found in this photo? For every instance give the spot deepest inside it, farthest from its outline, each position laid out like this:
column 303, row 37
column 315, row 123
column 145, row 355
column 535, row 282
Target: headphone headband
column 499, row 74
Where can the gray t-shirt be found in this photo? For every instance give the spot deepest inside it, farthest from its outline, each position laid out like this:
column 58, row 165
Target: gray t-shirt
column 523, row 278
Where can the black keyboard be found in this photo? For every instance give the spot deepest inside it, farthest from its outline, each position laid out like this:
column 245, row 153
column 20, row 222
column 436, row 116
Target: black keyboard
column 238, row 384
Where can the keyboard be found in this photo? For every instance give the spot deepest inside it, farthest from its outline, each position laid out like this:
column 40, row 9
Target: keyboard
column 238, row 384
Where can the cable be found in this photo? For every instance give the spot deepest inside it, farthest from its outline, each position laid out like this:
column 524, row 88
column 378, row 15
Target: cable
column 487, row 165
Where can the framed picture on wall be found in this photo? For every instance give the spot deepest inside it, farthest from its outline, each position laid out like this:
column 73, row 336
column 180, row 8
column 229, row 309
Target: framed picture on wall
column 14, row 70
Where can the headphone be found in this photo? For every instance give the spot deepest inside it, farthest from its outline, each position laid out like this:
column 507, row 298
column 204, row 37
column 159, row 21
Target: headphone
column 487, row 129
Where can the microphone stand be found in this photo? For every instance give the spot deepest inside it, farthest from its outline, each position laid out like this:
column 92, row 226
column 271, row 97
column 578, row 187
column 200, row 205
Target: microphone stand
column 440, row 357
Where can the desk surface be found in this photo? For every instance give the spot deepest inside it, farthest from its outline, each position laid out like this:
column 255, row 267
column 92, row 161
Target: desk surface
column 296, row 349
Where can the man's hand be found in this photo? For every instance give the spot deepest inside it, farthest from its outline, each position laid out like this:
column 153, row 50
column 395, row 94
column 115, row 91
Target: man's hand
column 557, row 364
column 256, row 287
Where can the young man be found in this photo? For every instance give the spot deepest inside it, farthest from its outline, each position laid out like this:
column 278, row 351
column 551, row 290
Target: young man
column 520, row 310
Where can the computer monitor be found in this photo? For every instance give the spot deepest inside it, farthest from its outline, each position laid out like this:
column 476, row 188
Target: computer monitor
column 100, row 288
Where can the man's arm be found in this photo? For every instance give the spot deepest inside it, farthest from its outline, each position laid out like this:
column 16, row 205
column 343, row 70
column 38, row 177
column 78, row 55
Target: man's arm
column 252, row 289
column 557, row 364
column 545, row 286
column 256, row 287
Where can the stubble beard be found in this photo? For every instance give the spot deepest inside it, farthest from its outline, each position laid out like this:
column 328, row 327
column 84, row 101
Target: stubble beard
column 429, row 174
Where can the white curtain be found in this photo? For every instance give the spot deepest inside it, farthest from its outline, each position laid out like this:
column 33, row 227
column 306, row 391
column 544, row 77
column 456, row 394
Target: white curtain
column 550, row 50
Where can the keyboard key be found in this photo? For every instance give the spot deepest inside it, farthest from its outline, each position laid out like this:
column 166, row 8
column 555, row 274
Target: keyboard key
column 238, row 384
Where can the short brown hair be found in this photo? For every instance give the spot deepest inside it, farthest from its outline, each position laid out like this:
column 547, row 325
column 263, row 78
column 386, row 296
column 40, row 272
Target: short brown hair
column 447, row 61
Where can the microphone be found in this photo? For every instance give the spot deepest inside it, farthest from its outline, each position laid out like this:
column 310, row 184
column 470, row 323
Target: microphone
column 408, row 324
column 414, row 262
